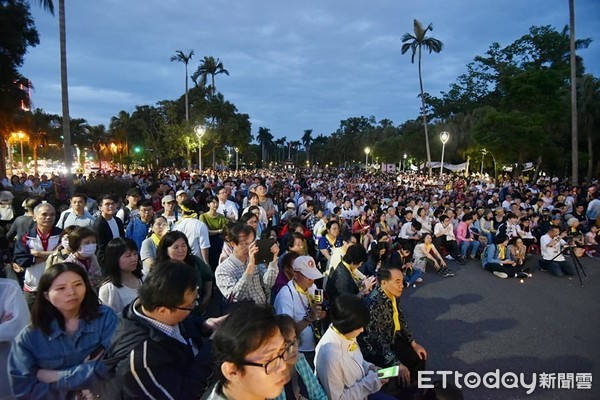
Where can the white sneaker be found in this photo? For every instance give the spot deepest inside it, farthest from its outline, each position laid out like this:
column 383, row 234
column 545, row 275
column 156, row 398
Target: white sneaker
column 419, row 280
column 502, row 275
column 449, row 257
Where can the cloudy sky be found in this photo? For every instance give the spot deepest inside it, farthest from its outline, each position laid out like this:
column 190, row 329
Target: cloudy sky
column 293, row 65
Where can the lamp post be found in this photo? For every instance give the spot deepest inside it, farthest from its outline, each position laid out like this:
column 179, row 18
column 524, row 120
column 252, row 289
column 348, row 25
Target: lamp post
column 444, row 136
column 237, row 153
column 404, row 163
column 367, row 151
column 483, row 153
column 200, row 131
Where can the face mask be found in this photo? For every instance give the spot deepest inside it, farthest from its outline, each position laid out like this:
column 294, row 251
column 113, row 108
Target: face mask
column 65, row 242
column 87, row 250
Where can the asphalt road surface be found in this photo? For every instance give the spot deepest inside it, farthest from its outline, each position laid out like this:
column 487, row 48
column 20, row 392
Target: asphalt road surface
column 476, row 322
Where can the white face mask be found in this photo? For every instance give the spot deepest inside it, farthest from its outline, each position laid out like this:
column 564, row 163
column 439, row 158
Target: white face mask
column 87, row 250
column 65, row 242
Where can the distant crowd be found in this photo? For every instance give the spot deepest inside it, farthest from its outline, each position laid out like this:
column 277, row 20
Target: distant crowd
column 144, row 291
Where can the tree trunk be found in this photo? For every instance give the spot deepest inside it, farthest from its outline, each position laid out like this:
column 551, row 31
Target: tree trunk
column 187, row 107
column 65, row 96
column 590, row 168
column 3, row 158
column 574, row 132
column 424, row 113
column 35, row 158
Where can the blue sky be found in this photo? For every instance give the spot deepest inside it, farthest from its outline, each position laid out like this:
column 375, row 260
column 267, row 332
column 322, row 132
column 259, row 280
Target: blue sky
column 293, row 65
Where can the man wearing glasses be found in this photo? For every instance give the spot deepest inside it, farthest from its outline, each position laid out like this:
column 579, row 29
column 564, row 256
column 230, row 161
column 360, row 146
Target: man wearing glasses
column 157, row 351
column 107, row 226
column 252, row 365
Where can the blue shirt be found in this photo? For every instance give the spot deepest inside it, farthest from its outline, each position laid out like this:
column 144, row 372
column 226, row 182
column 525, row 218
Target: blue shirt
column 137, row 231
column 33, row 350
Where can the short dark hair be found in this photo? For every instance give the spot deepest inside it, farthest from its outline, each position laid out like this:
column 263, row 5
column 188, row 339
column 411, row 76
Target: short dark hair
column 257, row 322
column 500, row 238
column 355, row 255
column 166, row 285
column 144, row 203
column 247, row 217
column 114, row 250
column 385, row 273
column 443, row 217
column 467, row 217
column 291, row 238
column 43, row 312
column 348, row 313
column 240, row 229
column 77, row 236
column 416, row 225
column 82, row 195
column 286, row 325
column 167, row 241
column 110, row 197
column 329, row 224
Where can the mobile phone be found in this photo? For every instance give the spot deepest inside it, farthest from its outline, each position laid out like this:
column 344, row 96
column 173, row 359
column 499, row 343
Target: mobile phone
column 390, row 372
column 264, row 254
column 96, row 352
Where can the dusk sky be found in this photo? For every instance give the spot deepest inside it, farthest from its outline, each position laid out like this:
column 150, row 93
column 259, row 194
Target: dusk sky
column 293, row 65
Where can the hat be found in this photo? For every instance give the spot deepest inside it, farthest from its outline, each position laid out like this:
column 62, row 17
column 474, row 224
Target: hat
column 167, row 199
column 290, row 205
column 180, row 192
column 133, row 192
column 306, row 266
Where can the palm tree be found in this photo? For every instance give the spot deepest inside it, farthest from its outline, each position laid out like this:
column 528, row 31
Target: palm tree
column 279, row 143
column 99, row 139
column 209, row 66
column 40, row 124
column 48, row 5
column 265, row 138
column 574, row 132
column 589, row 115
column 184, row 58
column 306, row 142
column 416, row 43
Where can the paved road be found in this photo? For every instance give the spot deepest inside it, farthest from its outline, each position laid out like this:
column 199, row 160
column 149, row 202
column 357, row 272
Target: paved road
column 476, row 322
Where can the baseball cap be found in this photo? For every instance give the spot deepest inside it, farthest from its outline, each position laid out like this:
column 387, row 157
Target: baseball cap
column 306, row 266
column 291, row 205
column 167, row 199
column 179, row 192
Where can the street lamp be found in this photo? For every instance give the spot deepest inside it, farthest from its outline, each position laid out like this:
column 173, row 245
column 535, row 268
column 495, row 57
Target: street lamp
column 483, row 153
column 20, row 136
column 404, row 163
column 237, row 152
column 444, row 136
column 200, row 131
column 367, row 151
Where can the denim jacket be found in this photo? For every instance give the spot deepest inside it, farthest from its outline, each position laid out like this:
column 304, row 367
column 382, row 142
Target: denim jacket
column 33, row 350
column 491, row 255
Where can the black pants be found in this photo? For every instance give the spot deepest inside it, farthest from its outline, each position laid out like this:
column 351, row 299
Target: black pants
column 450, row 245
column 406, row 355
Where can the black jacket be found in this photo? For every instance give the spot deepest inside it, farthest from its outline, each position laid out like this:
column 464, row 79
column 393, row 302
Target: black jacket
column 146, row 363
column 340, row 282
column 105, row 235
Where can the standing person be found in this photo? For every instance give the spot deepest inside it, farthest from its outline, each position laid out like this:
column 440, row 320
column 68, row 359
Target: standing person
column 226, row 207
column 215, row 223
column 387, row 340
column 159, row 228
column 170, row 211
column 82, row 242
column 328, row 242
column 296, row 299
column 139, row 227
column 34, row 247
column 58, row 354
column 158, row 350
column 253, row 365
column 174, row 246
column 14, row 316
column 265, row 202
column 239, row 278
column 123, row 274
column 107, row 226
column 340, row 365
column 551, row 246
column 130, row 210
column 25, row 222
column 196, row 231
column 77, row 214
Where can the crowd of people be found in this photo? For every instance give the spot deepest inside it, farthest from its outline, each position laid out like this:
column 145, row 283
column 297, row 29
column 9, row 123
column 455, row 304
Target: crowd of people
column 257, row 284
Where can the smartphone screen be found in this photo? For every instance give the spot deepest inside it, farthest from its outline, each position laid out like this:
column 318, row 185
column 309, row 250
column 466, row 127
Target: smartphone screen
column 264, row 254
column 390, row 372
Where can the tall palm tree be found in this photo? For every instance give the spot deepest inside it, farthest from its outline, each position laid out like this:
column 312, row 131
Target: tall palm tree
column 209, row 66
column 416, row 42
column 184, row 58
column 39, row 126
column 48, row 5
column 306, row 142
column 265, row 138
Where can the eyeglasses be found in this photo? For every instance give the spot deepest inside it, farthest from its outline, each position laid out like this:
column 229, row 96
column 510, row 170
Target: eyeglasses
column 194, row 305
column 272, row 365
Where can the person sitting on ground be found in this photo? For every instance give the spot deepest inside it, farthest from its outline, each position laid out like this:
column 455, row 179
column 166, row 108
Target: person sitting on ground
column 591, row 242
column 158, row 350
column 340, row 365
column 124, row 274
column 387, row 340
column 552, row 245
column 497, row 259
column 252, row 365
column 518, row 251
column 467, row 243
column 444, row 236
column 427, row 255
column 303, row 383
column 402, row 257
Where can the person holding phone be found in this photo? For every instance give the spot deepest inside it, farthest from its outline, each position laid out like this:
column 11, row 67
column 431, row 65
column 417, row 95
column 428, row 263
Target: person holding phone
column 58, row 355
column 240, row 277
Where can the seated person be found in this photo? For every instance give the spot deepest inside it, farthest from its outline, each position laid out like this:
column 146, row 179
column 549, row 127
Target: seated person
column 387, row 340
column 553, row 260
column 467, row 243
column 340, row 365
column 158, row 350
column 344, row 278
column 252, row 365
column 497, row 259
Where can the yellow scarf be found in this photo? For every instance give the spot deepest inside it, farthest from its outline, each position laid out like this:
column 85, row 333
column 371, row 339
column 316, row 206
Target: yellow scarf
column 353, row 346
column 396, row 315
column 304, row 293
column 329, row 239
column 352, row 272
column 502, row 252
column 155, row 239
column 428, row 246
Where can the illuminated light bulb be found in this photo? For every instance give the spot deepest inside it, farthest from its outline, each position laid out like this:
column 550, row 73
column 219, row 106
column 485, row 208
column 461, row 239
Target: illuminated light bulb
column 522, row 281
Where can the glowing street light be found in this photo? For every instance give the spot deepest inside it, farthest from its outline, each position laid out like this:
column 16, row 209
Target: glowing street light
column 237, row 152
column 200, row 131
column 20, row 136
column 444, row 137
column 367, row 151
column 404, row 164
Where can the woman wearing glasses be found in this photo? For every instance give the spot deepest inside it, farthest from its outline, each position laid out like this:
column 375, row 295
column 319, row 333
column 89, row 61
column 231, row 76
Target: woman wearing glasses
column 251, row 366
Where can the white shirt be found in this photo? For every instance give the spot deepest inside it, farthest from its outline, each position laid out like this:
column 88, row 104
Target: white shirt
column 294, row 304
column 447, row 230
column 551, row 248
column 228, row 209
column 196, row 232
